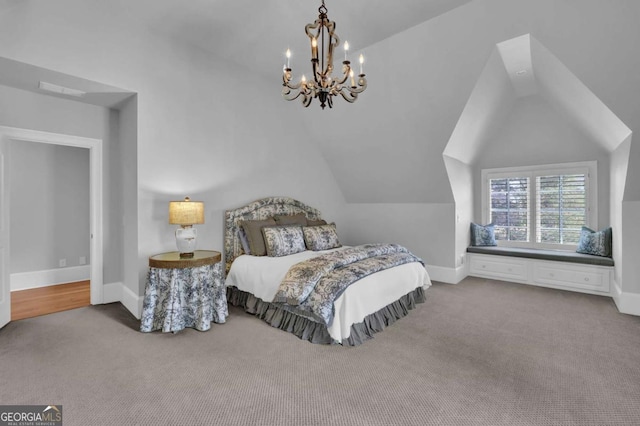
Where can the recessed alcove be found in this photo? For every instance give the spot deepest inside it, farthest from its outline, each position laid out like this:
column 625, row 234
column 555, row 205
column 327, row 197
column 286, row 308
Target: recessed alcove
column 528, row 108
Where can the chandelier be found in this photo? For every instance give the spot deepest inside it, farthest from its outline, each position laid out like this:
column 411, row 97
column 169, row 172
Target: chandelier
column 322, row 85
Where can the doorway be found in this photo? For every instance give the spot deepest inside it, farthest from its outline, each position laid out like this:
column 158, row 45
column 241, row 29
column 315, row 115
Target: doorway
column 8, row 134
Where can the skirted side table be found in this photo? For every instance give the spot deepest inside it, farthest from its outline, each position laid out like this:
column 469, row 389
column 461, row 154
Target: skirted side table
column 184, row 292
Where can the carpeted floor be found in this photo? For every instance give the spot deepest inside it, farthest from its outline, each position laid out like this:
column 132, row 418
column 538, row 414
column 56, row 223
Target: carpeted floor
column 481, row 352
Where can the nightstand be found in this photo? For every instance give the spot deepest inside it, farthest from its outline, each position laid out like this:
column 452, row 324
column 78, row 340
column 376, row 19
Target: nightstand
column 184, row 292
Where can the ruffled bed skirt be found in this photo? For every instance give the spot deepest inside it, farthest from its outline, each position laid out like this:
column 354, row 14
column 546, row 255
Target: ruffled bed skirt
column 315, row 332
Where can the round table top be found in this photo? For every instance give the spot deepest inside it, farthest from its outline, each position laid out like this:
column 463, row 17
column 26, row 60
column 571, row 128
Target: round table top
column 172, row 259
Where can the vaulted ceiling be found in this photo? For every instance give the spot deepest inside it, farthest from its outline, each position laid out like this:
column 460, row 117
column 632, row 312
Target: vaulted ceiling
column 424, row 58
column 257, row 33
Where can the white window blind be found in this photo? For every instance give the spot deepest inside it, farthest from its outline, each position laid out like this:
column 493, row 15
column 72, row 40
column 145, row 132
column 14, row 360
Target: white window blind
column 510, row 208
column 561, row 208
column 540, row 206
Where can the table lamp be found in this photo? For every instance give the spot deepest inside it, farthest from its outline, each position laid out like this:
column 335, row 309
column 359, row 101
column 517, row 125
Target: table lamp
column 186, row 214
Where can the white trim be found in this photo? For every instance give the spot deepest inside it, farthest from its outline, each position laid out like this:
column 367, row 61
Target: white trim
column 118, row 292
column 589, row 168
column 112, row 292
column 627, row 303
column 95, row 159
column 447, row 275
column 132, row 301
column 45, row 278
column 578, row 277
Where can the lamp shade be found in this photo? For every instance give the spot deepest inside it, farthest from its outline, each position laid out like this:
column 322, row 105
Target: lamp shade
column 186, row 212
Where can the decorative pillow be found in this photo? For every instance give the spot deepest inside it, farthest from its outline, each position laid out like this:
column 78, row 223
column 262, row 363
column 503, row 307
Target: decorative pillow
column 314, row 222
column 294, row 219
column 596, row 243
column 483, row 235
column 283, row 240
column 322, row 237
column 253, row 230
column 244, row 241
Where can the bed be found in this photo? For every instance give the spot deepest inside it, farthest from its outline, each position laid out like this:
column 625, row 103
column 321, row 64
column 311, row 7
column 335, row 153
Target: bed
column 363, row 308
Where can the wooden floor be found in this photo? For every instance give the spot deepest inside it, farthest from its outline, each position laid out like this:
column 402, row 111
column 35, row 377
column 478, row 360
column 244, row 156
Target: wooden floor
column 47, row 300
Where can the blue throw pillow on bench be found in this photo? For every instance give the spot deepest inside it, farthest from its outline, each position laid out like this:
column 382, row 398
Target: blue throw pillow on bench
column 482, row 235
column 595, row 243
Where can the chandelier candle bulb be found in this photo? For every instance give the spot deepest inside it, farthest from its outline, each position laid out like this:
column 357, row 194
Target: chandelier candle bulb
column 346, row 49
column 288, row 54
column 314, row 48
column 361, row 62
column 353, row 81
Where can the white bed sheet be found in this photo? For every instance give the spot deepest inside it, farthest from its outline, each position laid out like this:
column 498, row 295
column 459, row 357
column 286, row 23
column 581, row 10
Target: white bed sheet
column 261, row 276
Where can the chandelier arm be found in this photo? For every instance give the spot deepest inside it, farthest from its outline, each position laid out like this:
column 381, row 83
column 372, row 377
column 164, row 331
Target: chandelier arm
column 293, row 86
column 362, row 84
column 349, row 96
column 290, row 95
column 346, row 68
column 306, row 100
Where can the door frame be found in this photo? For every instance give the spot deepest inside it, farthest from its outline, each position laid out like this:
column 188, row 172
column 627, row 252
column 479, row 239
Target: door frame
column 95, row 190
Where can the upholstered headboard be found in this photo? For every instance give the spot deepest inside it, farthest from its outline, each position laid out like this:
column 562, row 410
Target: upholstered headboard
column 259, row 210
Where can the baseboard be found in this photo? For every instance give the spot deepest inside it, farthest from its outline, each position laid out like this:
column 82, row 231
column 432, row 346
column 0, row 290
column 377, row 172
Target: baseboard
column 112, row 292
column 132, row 301
column 447, row 275
column 627, row 303
column 118, row 292
column 45, row 278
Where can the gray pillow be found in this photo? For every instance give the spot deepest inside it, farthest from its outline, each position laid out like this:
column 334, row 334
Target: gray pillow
column 253, row 230
column 316, row 222
column 283, row 240
column 293, row 219
column 244, row 241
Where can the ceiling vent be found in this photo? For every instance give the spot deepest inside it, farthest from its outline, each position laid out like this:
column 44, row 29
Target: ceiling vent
column 61, row 90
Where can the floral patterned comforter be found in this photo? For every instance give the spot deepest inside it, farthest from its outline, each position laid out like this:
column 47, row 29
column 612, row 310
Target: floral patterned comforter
column 310, row 287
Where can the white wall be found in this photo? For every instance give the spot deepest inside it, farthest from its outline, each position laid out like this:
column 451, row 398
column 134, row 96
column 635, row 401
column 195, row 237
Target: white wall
column 631, row 227
column 49, row 206
column 204, row 128
column 619, row 162
column 28, row 110
column 461, row 179
column 224, row 135
column 417, row 226
column 535, row 133
column 126, row 196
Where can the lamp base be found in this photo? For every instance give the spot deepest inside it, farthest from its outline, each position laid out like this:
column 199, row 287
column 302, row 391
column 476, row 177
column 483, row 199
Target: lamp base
column 186, row 240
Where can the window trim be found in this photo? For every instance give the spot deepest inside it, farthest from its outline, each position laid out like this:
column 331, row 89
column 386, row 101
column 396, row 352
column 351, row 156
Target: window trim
column 590, row 168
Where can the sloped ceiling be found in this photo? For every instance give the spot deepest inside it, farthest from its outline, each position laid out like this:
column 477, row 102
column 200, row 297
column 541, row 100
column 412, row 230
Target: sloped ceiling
column 521, row 67
column 255, row 34
column 387, row 147
column 424, row 59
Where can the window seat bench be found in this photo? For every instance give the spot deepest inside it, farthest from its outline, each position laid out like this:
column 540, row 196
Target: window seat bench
column 548, row 268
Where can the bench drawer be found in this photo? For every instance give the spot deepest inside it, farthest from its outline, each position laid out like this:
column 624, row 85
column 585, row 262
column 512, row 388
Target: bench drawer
column 506, row 268
column 574, row 276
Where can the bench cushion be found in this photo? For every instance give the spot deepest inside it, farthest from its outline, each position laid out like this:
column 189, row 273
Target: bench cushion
column 554, row 255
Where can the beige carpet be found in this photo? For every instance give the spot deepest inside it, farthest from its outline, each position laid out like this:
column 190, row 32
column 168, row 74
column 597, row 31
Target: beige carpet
column 480, row 352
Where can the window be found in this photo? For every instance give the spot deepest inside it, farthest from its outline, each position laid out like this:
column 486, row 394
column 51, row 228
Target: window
column 543, row 206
